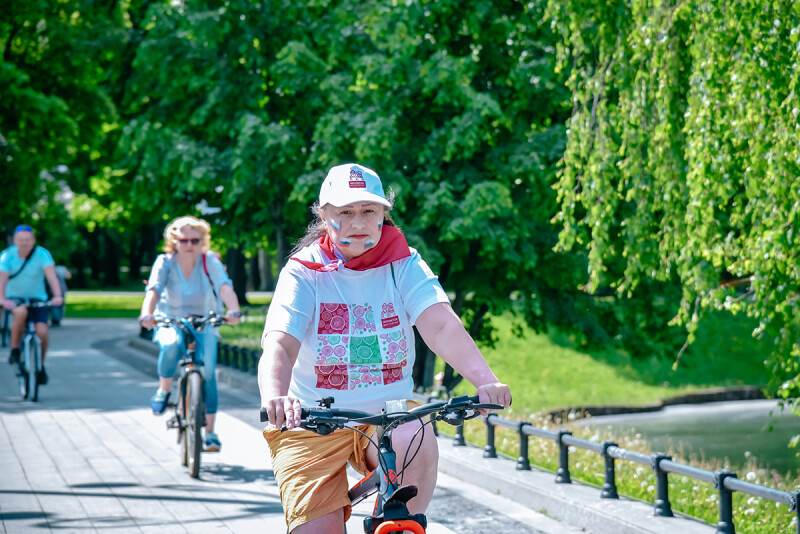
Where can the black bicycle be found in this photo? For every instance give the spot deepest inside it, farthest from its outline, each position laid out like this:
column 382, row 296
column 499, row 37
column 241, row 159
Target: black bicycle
column 30, row 358
column 390, row 513
column 190, row 409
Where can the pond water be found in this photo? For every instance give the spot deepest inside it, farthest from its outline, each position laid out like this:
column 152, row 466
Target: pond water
column 734, row 430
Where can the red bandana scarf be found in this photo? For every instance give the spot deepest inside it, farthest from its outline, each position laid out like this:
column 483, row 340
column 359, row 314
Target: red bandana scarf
column 391, row 247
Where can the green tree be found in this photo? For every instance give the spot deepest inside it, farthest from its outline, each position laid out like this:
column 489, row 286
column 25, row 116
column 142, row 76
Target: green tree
column 54, row 112
column 682, row 166
column 457, row 107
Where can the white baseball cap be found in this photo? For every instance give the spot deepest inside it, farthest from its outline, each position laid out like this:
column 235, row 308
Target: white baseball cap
column 350, row 183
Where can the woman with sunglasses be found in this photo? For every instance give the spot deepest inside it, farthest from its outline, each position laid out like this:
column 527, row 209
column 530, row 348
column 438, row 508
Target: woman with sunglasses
column 188, row 279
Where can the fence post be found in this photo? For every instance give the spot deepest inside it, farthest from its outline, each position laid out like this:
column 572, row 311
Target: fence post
column 662, row 505
column 235, row 356
column 489, row 451
column 458, row 439
column 794, row 500
column 255, row 355
column 609, row 490
column 222, row 353
column 523, row 463
column 725, row 525
column 562, row 475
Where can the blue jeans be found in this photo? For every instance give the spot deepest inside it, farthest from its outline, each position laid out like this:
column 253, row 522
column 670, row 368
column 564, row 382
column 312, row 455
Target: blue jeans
column 170, row 340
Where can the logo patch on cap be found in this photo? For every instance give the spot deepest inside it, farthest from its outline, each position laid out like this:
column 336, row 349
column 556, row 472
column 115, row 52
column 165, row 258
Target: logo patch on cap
column 357, row 180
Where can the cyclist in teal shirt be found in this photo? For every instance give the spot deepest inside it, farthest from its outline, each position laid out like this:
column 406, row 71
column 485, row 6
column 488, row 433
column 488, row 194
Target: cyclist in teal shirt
column 24, row 267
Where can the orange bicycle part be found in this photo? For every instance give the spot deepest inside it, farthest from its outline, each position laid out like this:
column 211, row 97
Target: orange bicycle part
column 399, row 526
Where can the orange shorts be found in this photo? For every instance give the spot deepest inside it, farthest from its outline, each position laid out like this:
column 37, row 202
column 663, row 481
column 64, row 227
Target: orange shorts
column 311, row 470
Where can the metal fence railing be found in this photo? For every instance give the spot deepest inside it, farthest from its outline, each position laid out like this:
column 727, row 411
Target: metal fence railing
column 241, row 358
column 724, row 480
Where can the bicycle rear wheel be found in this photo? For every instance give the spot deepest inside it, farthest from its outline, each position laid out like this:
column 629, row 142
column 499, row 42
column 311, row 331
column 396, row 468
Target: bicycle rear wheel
column 195, row 412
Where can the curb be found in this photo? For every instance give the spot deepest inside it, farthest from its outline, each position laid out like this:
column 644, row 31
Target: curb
column 573, row 504
column 698, row 397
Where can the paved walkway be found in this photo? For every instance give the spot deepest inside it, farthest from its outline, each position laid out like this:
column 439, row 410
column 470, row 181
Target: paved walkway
column 90, row 456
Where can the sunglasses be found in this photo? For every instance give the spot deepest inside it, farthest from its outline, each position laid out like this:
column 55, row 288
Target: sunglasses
column 23, row 228
column 193, row 241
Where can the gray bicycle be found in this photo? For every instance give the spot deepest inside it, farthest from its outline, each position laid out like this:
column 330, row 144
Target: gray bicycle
column 30, row 360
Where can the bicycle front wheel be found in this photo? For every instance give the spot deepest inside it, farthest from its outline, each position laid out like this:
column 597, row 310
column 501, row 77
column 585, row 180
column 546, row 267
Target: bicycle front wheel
column 5, row 332
column 24, row 367
column 34, row 367
column 195, row 419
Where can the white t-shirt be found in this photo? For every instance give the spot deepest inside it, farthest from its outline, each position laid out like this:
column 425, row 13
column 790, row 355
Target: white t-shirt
column 354, row 327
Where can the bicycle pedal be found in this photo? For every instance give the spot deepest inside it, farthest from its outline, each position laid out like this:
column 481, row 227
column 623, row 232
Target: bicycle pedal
column 173, row 422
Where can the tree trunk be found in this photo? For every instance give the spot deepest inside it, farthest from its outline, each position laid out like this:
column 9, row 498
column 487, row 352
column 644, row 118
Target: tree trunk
column 424, row 363
column 238, row 273
column 265, row 264
column 110, row 260
column 280, row 247
column 254, row 273
column 95, row 252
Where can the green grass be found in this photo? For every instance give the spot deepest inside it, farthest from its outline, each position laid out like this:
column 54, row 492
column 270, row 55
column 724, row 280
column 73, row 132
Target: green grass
column 546, row 373
column 89, row 304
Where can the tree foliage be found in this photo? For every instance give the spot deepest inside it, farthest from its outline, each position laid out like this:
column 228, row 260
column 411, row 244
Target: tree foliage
column 457, row 107
column 682, row 165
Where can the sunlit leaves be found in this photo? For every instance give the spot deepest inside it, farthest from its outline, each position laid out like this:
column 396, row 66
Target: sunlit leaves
column 683, row 152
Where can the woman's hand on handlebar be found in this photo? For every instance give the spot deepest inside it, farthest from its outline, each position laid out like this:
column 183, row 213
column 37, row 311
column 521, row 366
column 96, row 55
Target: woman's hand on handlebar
column 495, row 393
column 283, row 411
column 147, row 321
column 233, row 317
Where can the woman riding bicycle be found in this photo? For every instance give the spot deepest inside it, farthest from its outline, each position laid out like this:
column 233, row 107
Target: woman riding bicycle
column 188, row 280
column 340, row 325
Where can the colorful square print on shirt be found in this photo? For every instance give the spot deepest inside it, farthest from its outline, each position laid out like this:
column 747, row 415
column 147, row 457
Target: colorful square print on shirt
column 334, row 318
column 365, row 350
column 362, row 320
column 364, row 376
column 332, row 349
column 332, row 376
column 393, row 372
column 394, row 346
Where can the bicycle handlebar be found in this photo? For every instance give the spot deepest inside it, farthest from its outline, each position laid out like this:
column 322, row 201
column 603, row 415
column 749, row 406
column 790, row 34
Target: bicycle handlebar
column 32, row 303
column 196, row 321
column 324, row 420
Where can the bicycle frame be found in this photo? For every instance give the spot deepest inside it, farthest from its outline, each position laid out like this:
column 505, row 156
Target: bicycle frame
column 390, row 513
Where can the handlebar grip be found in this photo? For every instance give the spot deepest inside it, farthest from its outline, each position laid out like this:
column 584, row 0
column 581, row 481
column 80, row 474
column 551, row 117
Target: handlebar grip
column 264, row 416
